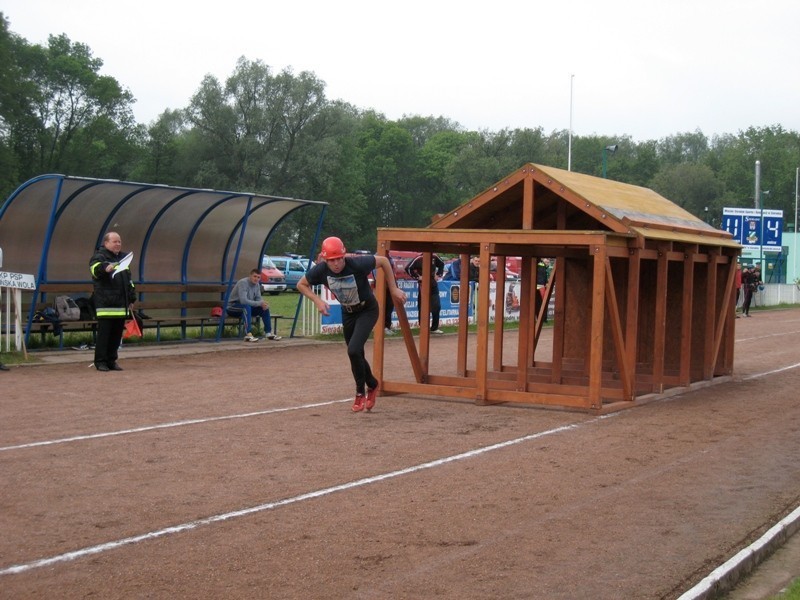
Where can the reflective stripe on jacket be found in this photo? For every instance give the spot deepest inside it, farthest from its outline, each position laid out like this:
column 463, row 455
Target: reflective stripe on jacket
column 112, row 293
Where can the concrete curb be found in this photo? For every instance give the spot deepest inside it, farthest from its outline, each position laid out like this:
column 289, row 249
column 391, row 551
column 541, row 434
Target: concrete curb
column 725, row 577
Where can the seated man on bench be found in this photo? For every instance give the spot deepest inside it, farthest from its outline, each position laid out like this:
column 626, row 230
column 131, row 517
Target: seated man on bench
column 245, row 301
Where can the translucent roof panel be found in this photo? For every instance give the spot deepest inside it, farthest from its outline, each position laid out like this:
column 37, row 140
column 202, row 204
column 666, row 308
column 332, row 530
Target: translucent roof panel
column 51, row 224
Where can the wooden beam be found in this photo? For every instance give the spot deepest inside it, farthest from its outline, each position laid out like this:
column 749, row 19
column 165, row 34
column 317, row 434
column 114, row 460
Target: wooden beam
column 546, row 293
column 424, row 303
column 378, row 346
column 632, row 310
column 594, row 399
column 615, row 323
column 463, row 310
column 415, row 239
column 524, row 344
column 530, row 300
column 687, row 315
column 724, row 309
column 499, row 312
column 660, row 333
column 482, row 352
column 730, row 330
column 710, row 327
column 408, row 338
column 527, row 204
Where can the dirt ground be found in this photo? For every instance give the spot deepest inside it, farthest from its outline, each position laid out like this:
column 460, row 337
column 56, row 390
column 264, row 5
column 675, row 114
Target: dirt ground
column 244, row 474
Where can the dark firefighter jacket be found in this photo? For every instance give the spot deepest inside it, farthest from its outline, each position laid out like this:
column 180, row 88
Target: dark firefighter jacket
column 112, row 293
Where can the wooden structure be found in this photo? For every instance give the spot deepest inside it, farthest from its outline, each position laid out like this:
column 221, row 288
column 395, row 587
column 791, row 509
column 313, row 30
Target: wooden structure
column 644, row 294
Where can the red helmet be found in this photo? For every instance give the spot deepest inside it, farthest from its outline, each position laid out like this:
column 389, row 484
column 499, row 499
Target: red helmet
column 332, row 247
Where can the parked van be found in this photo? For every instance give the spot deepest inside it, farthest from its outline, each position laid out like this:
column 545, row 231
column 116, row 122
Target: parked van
column 293, row 268
column 273, row 281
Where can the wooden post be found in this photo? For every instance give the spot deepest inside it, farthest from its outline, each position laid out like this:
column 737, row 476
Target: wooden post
column 660, row 333
column 595, row 399
column 482, row 352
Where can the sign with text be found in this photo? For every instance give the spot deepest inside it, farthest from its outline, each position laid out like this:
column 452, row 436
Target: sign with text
column 17, row 280
column 758, row 230
column 449, row 292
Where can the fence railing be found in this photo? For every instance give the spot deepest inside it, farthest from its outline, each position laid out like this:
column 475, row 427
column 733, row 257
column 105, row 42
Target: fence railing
column 776, row 293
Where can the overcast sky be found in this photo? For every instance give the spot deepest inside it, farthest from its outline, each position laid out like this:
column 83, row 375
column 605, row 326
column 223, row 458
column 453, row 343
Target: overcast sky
column 644, row 68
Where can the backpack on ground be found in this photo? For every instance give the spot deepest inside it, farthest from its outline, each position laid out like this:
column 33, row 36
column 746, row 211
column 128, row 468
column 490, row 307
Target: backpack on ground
column 66, row 309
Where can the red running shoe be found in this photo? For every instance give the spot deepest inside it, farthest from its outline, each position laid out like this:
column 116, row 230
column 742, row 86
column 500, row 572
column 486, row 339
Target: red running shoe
column 358, row 403
column 371, row 393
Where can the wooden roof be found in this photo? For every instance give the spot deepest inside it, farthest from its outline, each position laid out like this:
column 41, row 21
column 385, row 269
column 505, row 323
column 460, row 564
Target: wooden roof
column 593, row 203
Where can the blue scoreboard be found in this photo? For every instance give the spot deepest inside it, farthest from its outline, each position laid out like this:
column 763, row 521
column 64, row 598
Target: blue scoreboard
column 758, row 230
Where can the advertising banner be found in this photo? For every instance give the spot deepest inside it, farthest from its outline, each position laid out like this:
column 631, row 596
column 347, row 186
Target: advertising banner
column 449, row 296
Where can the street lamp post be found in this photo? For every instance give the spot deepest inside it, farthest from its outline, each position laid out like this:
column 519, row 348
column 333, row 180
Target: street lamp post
column 796, row 198
column 764, row 194
column 612, row 149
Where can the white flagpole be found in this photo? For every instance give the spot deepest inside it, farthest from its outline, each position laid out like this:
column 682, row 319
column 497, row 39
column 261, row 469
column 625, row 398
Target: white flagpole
column 569, row 145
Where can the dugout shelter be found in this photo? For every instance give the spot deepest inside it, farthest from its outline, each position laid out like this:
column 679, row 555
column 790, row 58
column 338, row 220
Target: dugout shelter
column 644, row 295
column 184, row 240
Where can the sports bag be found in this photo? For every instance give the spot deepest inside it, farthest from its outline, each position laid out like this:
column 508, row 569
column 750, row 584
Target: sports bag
column 86, row 306
column 66, row 309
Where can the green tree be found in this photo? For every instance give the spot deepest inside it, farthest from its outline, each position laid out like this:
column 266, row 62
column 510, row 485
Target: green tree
column 17, row 126
column 249, row 131
column 683, row 148
column 436, row 164
column 690, row 186
column 733, row 159
column 70, row 96
column 160, row 160
column 389, row 158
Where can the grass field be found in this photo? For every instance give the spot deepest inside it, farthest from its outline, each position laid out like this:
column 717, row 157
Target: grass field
column 283, row 304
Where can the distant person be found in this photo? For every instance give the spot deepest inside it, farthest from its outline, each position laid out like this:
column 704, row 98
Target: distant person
column 751, row 279
column 738, row 280
column 246, row 302
column 387, row 315
column 542, row 277
column 114, row 297
column 347, row 278
column 454, row 273
column 414, row 270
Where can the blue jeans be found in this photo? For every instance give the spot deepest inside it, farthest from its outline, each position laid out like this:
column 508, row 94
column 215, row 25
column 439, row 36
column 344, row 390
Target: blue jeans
column 249, row 313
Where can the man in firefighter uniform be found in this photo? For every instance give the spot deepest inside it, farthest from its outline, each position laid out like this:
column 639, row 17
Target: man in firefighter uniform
column 114, row 297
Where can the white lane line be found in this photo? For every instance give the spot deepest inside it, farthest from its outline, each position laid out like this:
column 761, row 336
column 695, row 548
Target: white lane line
column 100, row 548
column 92, row 436
column 765, row 373
column 766, row 336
